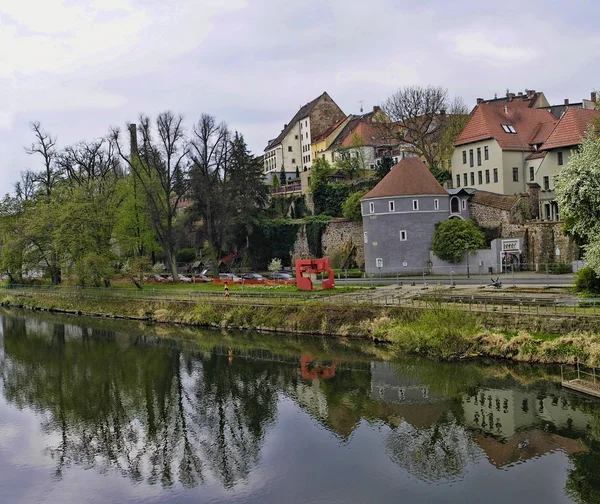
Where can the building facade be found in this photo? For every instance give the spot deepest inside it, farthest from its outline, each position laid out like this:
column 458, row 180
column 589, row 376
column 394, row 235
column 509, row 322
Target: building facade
column 399, row 216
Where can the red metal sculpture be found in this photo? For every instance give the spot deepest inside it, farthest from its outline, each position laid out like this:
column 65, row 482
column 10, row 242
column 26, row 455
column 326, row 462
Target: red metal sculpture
column 307, row 271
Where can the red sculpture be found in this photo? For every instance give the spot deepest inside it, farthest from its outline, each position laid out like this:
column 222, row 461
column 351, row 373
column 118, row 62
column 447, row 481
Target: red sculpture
column 307, row 269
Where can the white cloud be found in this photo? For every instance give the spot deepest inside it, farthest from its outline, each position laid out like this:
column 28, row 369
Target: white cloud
column 498, row 50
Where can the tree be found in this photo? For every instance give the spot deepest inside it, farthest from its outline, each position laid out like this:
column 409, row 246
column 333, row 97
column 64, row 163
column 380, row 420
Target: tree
column 577, row 189
column 453, row 237
column 351, row 209
column 160, row 168
column 352, row 159
column 282, row 177
column 427, row 118
column 384, row 165
column 44, row 145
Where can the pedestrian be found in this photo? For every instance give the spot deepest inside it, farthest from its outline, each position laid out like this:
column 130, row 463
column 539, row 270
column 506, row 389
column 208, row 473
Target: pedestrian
column 226, row 286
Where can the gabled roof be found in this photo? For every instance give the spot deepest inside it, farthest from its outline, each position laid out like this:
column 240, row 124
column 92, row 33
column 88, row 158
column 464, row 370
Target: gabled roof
column 500, row 201
column 571, row 128
column 488, row 118
column 329, row 131
column 410, row 177
column 304, row 111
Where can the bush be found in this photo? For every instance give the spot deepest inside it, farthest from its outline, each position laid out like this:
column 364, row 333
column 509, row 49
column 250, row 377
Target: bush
column 451, row 237
column 186, row 255
column 275, row 265
column 351, row 208
column 560, row 268
column 586, row 281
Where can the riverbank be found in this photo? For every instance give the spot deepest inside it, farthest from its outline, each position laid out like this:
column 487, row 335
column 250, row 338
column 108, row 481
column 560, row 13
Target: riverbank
column 436, row 331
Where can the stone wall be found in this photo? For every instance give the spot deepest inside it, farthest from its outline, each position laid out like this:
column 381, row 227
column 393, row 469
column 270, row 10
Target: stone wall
column 335, row 237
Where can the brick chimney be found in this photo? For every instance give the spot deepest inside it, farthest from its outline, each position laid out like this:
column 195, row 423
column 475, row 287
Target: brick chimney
column 519, row 94
column 530, row 93
column 479, row 100
column 376, row 108
column 566, row 101
column 510, row 96
column 593, row 96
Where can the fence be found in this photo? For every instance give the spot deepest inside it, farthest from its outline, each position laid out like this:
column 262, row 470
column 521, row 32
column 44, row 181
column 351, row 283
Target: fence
column 585, row 379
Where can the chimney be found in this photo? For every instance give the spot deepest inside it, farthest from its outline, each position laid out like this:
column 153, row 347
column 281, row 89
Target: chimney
column 520, row 94
column 133, row 138
column 530, row 92
column 510, row 96
column 593, row 96
column 376, row 108
column 566, row 101
column 479, row 100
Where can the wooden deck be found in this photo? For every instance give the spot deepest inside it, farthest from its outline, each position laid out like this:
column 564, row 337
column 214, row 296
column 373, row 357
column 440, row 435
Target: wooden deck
column 583, row 379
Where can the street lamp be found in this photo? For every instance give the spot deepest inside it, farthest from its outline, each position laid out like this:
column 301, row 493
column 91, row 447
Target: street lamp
column 467, row 249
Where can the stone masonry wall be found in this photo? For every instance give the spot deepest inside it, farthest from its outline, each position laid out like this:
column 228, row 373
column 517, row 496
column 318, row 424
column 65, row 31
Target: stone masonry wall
column 333, row 240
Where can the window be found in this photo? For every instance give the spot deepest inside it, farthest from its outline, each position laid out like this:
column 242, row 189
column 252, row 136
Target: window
column 293, row 160
column 472, row 178
column 454, row 205
column 546, row 183
column 465, row 180
column 480, row 177
column 366, row 237
column 371, row 207
column 531, row 174
column 478, row 156
column 515, row 174
column 458, row 181
column 508, row 128
column 495, row 174
column 296, row 136
column 402, row 235
column 308, row 158
column 464, row 204
column 464, row 157
column 436, row 204
column 289, row 148
column 559, row 157
column 487, row 176
column 305, row 123
column 415, row 204
column 470, row 157
column 486, row 153
column 392, row 206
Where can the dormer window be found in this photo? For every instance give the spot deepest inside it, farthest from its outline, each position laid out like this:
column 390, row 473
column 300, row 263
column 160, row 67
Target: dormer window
column 508, row 129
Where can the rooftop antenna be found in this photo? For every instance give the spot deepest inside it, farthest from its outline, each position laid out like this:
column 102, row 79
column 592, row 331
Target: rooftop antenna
column 361, row 106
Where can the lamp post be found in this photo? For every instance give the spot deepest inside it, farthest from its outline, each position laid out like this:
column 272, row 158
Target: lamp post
column 467, row 249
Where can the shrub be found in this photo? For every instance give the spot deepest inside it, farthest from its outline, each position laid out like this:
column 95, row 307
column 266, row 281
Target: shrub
column 586, row 281
column 186, row 255
column 275, row 265
column 351, row 207
column 560, row 268
column 451, row 237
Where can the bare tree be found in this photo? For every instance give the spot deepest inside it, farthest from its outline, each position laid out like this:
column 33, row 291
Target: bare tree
column 160, row 167
column 45, row 146
column 89, row 161
column 423, row 114
column 25, row 188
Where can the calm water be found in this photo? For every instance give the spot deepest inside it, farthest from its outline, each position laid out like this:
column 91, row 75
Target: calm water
column 97, row 411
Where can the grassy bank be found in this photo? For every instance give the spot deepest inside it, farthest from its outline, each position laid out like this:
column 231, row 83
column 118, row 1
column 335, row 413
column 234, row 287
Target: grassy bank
column 437, row 332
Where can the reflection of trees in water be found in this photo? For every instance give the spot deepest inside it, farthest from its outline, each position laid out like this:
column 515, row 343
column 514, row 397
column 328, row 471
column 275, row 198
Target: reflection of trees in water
column 150, row 413
column 441, row 451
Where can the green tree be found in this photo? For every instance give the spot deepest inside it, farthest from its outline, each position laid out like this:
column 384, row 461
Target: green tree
column 282, row 177
column 351, row 209
column 297, row 172
column 352, row 160
column 320, row 170
column 453, row 237
column 578, row 195
column 384, row 165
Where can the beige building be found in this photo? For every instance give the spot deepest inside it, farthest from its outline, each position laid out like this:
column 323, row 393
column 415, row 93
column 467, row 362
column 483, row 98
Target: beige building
column 517, row 140
column 292, row 147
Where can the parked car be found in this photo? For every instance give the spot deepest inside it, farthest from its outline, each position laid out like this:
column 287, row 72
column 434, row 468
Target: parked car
column 202, row 278
column 156, row 278
column 281, row 276
column 182, row 278
column 230, row 277
column 255, row 277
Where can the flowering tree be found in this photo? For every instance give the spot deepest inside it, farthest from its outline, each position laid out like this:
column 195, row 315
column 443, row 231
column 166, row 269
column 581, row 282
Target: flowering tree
column 578, row 196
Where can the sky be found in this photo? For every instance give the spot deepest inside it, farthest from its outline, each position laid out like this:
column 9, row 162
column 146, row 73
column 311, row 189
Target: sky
column 81, row 66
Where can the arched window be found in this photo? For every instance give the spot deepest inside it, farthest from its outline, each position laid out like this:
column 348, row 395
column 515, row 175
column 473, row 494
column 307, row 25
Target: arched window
column 455, row 205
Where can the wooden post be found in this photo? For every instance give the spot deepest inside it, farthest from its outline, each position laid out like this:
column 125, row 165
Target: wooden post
column 578, row 374
column 562, row 378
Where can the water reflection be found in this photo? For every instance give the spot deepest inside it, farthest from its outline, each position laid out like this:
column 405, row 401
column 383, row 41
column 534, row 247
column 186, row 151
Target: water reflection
column 185, row 413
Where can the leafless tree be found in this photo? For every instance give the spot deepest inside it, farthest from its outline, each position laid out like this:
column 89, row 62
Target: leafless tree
column 423, row 114
column 45, row 146
column 161, row 169
column 89, row 161
column 25, row 188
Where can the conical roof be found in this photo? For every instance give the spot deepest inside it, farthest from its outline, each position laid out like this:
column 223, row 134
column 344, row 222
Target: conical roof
column 410, row 177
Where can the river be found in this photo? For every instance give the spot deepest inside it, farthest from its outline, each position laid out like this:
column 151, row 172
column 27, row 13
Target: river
column 98, row 411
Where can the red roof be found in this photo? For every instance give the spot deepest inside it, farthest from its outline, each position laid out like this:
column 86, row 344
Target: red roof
column 571, row 128
column 488, row 118
column 410, row 177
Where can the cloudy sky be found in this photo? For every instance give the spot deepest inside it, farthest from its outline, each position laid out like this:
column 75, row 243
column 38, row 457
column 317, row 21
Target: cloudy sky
column 79, row 66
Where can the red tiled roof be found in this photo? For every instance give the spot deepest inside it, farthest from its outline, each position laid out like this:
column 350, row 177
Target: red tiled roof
column 488, row 117
column 328, row 131
column 571, row 128
column 543, row 132
column 500, row 201
column 537, row 155
column 410, row 177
